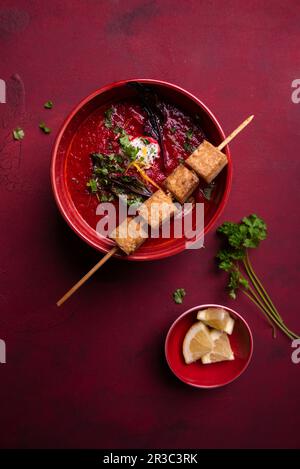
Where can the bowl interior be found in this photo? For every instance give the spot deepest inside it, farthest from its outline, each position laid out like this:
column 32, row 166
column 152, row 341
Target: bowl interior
column 215, row 374
column 156, row 248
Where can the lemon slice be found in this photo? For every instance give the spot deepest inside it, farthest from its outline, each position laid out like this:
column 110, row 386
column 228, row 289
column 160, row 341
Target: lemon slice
column 197, row 342
column 217, row 318
column 221, row 349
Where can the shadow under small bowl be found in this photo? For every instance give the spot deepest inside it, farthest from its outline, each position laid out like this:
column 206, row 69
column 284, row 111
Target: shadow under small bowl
column 216, row 374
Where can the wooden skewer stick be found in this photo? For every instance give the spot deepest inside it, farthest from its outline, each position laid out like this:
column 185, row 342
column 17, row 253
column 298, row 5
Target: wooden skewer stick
column 234, row 133
column 115, row 248
column 87, row 276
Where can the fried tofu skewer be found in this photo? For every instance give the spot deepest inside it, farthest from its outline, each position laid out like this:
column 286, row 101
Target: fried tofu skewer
column 207, row 161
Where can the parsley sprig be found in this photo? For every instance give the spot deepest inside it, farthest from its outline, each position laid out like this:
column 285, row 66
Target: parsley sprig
column 178, row 295
column 234, row 259
column 48, row 104
column 18, row 133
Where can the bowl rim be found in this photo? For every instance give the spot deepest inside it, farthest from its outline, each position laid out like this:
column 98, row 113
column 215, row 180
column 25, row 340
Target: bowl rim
column 194, row 308
column 67, row 214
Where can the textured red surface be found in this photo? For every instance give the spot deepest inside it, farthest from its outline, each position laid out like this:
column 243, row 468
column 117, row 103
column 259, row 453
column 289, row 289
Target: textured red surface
column 92, row 374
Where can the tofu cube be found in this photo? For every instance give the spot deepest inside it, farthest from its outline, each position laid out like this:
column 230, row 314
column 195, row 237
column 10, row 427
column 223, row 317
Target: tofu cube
column 181, row 183
column 130, row 234
column 207, row 161
column 157, row 209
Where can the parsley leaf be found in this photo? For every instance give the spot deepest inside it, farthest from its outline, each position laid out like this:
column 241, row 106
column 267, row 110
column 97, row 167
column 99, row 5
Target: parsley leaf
column 107, row 198
column 189, row 134
column 108, row 118
column 188, row 147
column 239, row 237
column 92, row 185
column 178, row 295
column 246, row 234
column 119, row 130
column 129, row 150
column 44, row 128
column 18, row 133
column 48, row 105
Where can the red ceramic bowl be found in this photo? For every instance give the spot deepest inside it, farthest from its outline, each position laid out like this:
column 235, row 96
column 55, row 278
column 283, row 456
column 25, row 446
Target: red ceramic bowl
column 216, row 374
column 153, row 248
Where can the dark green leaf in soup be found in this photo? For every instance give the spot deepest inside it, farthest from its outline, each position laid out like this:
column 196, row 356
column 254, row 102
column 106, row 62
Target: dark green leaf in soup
column 108, row 117
column 133, row 184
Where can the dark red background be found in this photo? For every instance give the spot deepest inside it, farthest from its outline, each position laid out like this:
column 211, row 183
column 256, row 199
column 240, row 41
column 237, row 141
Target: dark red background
column 93, row 374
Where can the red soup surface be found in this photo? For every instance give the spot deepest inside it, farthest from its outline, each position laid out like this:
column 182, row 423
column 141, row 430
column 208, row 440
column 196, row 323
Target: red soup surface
column 97, row 134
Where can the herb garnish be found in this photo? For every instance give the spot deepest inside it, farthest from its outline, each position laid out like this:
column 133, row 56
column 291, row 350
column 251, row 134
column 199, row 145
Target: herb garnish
column 130, row 198
column 108, row 118
column 173, row 130
column 48, row 105
column 131, row 184
column 18, row 133
column 207, row 191
column 106, row 198
column 188, row 147
column 189, row 134
column 235, row 256
column 92, row 185
column 119, row 130
column 129, row 150
column 44, row 128
column 110, row 181
column 178, row 295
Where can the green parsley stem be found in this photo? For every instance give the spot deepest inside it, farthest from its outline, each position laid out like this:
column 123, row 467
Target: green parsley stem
column 248, row 265
column 261, row 307
column 270, row 316
column 260, row 293
column 267, row 307
column 279, row 324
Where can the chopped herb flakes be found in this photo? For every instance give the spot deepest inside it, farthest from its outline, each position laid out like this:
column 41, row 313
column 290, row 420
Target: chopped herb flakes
column 92, row 185
column 131, row 199
column 178, row 295
column 44, row 128
column 188, row 147
column 189, row 134
column 119, row 130
column 18, row 133
column 48, row 105
column 107, row 198
column 108, row 118
column 127, row 148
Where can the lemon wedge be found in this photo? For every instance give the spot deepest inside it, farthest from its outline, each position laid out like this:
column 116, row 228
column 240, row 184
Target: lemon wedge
column 221, row 349
column 197, row 342
column 217, row 318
